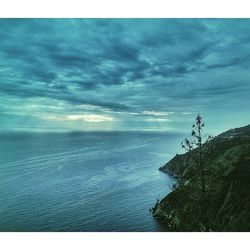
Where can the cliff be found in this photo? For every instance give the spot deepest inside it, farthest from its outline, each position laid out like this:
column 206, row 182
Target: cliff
column 227, row 174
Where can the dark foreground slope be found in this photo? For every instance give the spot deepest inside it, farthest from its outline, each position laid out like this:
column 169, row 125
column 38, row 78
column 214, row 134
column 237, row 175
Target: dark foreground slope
column 227, row 165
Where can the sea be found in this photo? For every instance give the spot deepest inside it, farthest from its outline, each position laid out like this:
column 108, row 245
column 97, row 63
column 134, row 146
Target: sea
column 83, row 181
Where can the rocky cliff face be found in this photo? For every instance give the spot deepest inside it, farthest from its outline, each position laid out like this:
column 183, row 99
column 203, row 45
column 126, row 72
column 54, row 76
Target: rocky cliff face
column 227, row 172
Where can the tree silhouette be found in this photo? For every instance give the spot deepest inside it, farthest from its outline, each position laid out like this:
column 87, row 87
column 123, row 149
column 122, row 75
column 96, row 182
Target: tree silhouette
column 196, row 143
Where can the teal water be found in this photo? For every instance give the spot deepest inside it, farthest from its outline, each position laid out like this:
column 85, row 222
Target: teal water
column 102, row 181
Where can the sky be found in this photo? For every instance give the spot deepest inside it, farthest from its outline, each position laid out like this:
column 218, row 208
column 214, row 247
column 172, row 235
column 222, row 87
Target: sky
column 124, row 74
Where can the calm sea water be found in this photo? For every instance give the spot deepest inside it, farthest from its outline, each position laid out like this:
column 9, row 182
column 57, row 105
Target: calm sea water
column 104, row 181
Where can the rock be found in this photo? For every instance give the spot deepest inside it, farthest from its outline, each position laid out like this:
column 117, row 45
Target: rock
column 227, row 169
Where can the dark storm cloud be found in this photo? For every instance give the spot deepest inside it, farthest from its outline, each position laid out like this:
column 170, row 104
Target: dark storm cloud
column 126, row 65
column 234, row 62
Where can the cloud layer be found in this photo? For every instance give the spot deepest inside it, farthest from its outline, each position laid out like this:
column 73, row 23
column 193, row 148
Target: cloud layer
column 123, row 74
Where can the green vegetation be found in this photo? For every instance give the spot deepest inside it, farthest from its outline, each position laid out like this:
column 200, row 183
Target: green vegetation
column 225, row 206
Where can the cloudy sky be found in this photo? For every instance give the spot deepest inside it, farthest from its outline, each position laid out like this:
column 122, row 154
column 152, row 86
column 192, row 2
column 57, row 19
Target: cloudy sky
column 124, row 74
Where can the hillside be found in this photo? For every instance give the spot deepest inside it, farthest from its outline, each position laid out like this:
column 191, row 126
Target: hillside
column 227, row 171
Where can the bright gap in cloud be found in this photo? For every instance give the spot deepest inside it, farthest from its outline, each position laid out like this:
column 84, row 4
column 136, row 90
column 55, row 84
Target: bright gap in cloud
column 155, row 113
column 90, row 118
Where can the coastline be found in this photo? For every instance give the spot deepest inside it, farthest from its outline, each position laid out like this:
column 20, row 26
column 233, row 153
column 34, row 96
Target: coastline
column 227, row 174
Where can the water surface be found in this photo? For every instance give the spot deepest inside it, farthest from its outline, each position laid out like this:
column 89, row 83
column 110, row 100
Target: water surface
column 102, row 181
